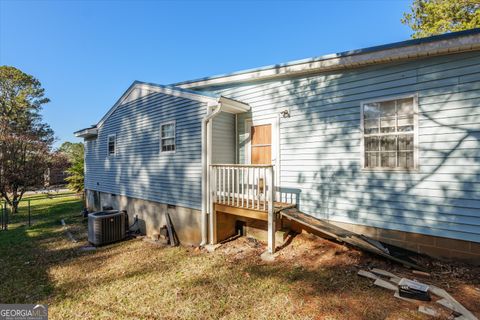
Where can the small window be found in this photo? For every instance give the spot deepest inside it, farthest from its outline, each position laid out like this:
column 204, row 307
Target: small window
column 389, row 134
column 112, row 141
column 167, row 137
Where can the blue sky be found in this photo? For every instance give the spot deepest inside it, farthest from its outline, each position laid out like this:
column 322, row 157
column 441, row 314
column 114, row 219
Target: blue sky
column 86, row 53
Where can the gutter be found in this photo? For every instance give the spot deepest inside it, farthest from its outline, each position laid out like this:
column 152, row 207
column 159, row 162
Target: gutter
column 206, row 160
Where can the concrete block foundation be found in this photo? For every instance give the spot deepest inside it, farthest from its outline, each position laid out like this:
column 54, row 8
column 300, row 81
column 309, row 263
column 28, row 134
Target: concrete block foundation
column 151, row 215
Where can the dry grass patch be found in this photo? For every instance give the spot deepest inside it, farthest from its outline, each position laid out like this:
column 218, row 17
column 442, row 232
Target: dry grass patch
column 311, row 278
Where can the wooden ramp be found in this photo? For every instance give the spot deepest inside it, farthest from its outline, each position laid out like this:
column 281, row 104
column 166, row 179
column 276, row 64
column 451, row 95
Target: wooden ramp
column 352, row 238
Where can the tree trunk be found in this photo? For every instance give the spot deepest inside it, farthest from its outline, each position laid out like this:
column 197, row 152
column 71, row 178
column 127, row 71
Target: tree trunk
column 14, row 201
column 15, row 206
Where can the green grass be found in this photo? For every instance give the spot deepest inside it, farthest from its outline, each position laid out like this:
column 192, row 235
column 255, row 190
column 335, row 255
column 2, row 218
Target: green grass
column 137, row 280
column 25, row 255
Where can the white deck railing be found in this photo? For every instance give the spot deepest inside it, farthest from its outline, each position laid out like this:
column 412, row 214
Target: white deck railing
column 243, row 186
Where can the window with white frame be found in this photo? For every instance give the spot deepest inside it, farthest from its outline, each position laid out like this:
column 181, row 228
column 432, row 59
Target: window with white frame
column 389, row 134
column 167, row 137
column 112, row 144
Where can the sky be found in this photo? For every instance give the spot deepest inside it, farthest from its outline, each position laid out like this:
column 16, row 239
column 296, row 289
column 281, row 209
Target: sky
column 87, row 53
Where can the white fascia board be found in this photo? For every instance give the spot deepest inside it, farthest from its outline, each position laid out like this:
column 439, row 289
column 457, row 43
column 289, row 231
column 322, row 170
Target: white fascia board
column 87, row 133
column 233, row 106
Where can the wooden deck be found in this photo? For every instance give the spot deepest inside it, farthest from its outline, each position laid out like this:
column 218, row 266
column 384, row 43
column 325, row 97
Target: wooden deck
column 249, row 211
column 244, row 191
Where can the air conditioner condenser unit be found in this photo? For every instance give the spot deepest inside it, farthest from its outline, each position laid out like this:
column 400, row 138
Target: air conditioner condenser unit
column 106, row 227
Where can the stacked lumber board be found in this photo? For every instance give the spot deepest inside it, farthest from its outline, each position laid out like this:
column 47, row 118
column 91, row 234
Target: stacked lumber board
column 390, row 281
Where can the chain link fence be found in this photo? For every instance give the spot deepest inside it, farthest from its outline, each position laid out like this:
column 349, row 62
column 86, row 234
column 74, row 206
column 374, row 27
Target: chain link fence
column 27, row 210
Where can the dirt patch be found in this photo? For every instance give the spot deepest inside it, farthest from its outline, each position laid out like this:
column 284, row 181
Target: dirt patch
column 306, row 255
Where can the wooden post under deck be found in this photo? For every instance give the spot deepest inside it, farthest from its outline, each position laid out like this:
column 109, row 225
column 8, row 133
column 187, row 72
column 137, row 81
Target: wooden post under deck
column 246, row 191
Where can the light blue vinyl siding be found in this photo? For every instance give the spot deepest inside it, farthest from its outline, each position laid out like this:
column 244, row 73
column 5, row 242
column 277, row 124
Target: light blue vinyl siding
column 223, row 138
column 138, row 169
column 320, row 144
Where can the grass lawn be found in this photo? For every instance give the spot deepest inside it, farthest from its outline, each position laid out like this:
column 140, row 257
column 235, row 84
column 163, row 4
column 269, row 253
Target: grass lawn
column 311, row 278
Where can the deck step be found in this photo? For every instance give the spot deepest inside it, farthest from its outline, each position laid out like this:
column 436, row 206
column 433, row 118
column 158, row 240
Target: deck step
column 342, row 235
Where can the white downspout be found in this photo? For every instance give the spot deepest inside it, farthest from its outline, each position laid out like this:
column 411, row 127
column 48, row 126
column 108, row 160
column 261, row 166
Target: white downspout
column 236, row 139
column 205, row 161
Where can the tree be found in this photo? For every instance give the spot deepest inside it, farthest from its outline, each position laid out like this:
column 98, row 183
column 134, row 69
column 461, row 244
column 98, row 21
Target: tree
column 25, row 141
column 76, row 174
column 432, row 17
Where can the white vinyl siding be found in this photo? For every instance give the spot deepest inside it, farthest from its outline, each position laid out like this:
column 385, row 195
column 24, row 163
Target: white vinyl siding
column 320, row 144
column 223, row 138
column 139, row 169
column 389, row 128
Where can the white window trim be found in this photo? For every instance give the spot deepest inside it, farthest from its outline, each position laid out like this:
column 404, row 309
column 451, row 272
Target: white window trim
column 114, row 144
column 174, row 137
column 415, row 133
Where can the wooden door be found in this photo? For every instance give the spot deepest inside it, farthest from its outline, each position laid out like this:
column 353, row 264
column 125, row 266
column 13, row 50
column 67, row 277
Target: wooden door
column 261, row 142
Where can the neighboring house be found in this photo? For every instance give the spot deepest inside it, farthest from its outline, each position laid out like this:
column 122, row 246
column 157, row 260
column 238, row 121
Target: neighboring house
column 384, row 141
column 54, row 176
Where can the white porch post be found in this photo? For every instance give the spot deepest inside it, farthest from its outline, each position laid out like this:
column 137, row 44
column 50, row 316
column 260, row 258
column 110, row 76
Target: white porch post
column 271, row 214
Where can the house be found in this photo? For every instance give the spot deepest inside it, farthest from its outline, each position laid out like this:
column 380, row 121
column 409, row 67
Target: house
column 383, row 141
column 54, row 177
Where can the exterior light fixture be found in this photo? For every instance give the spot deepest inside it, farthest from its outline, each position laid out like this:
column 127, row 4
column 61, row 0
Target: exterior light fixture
column 285, row 113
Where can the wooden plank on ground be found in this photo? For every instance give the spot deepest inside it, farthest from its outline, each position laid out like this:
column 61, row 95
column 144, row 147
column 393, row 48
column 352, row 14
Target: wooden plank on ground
column 69, row 234
column 452, row 304
column 367, row 274
column 386, row 274
column 377, row 244
column 457, row 305
column 421, row 273
column 171, row 237
column 428, row 311
column 385, row 284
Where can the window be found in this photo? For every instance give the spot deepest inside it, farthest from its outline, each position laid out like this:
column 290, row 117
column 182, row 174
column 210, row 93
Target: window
column 389, row 134
column 167, row 137
column 112, row 144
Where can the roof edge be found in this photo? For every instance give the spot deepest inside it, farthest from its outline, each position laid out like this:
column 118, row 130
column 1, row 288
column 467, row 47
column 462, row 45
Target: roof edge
column 87, row 132
column 205, row 97
column 170, row 90
column 425, row 47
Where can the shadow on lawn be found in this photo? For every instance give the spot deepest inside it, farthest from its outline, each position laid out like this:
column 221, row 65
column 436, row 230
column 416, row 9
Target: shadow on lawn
column 26, row 254
column 329, row 290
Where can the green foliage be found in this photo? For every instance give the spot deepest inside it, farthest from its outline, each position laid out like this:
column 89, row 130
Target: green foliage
column 432, row 17
column 25, row 140
column 76, row 173
column 72, row 150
